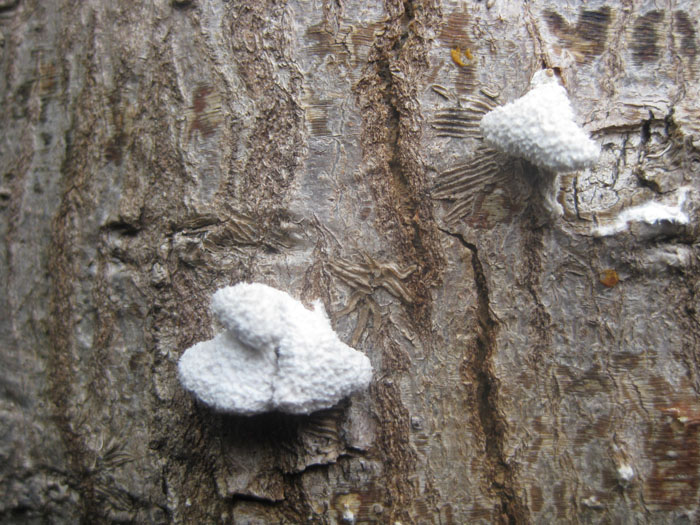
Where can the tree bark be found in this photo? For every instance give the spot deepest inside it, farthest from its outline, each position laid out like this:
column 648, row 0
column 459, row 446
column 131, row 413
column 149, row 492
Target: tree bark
column 526, row 370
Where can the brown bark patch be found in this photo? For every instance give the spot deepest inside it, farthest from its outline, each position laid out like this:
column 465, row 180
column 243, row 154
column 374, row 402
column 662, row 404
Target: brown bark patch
column 675, row 452
column 588, row 37
column 683, row 27
column 205, row 113
column 454, row 36
column 645, row 37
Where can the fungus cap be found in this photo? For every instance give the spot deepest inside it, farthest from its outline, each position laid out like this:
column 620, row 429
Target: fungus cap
column 274, row 355
column 540, row 127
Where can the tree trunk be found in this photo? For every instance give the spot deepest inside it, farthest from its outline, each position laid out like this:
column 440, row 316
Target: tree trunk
column 526, row 369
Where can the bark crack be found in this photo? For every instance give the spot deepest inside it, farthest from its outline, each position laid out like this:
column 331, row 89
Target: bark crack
column 576, row 199
column 391, row 141
column 537, row 42
column 393, row 168
column 492, row 423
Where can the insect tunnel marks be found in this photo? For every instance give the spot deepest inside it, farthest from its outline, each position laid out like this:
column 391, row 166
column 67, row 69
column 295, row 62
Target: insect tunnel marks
column 476, row 189
column 462, row 122
column 391, row 138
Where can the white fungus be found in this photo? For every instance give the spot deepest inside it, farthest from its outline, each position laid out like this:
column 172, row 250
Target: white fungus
column 540, row 127
column 625, row 474
column 651, row 213
column 274, row 355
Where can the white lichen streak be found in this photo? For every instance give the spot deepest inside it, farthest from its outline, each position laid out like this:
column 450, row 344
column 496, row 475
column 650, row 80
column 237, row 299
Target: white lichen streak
column 651, row 213
column 540, row 127
column 274, row 355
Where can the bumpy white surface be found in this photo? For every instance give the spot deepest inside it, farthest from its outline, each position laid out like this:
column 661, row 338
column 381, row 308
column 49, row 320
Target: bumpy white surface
column 652, row 213
column 540, row 127
column 274, row 355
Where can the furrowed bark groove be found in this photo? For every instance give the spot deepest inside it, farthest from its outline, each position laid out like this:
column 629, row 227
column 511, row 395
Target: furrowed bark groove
column 502, row 476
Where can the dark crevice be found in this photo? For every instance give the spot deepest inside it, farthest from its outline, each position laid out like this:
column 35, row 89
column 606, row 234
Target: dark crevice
column 492, row 424
column 645, row 137
column 6, row 6
column 252, row 498
column 407, row 182
column 649, row 183
column 122, row 227
column 409, row 9
column 576, row 199
column 398, row 182
column 646, row 129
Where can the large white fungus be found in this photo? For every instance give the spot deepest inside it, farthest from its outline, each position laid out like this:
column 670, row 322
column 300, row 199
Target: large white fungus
column 540, row 127
column 274, row 355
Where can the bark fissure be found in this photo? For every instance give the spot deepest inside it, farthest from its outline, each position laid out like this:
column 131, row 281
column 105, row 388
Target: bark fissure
column 391, row 140
column 536, row 36
column 62, row 268
column 391, row 134
column 491, row 421
column 63, row 265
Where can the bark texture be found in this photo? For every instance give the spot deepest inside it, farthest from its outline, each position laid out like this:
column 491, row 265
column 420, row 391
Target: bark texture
column 526, row 371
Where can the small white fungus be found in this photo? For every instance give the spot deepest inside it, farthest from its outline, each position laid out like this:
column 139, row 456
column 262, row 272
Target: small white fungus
column 592, row 502
column 625, row 473
column 540, row 127
column 651, row 212
column 274, row 355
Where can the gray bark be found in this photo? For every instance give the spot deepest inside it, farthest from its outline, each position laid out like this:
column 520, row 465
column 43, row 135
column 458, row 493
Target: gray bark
column 153, row 152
